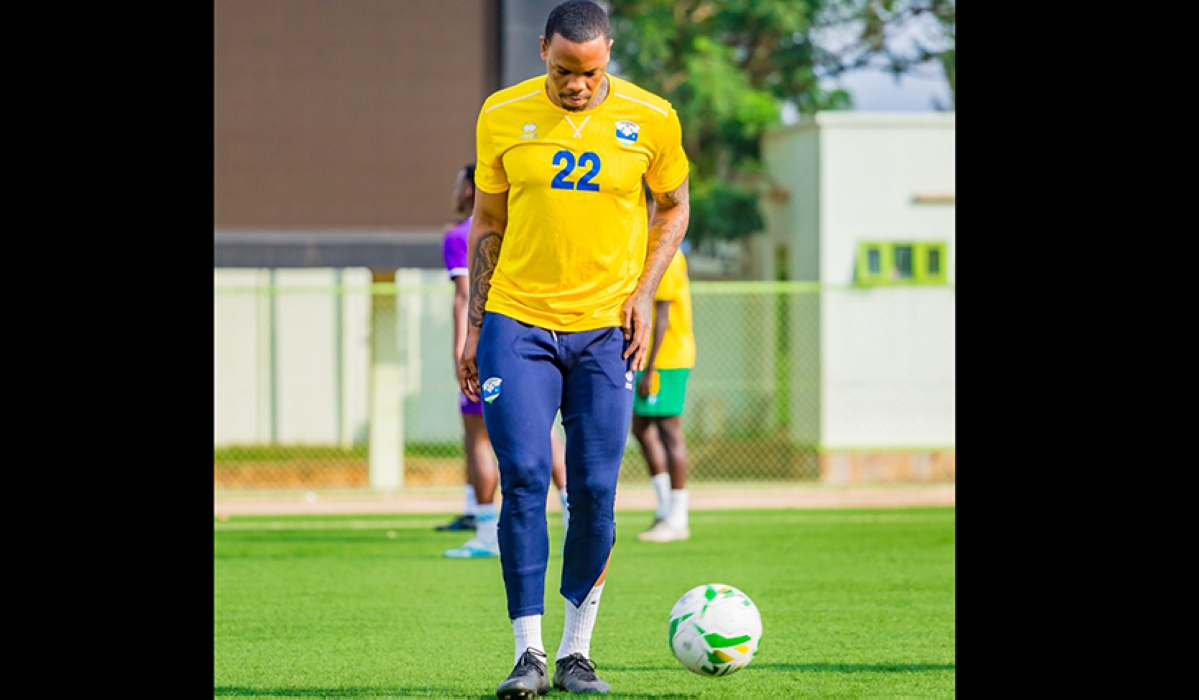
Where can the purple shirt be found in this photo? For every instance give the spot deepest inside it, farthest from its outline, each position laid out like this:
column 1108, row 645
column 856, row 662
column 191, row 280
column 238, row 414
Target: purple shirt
column 453, row 249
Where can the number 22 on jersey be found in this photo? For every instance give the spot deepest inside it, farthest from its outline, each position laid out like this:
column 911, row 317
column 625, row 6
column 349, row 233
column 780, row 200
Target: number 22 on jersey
column 588, row 164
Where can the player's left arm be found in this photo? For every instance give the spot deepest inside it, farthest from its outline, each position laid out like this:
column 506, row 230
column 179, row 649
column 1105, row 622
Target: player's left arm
column 666, row 232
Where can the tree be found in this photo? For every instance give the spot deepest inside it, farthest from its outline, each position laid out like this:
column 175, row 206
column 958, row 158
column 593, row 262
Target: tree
column 869, row 25
column 728, row 67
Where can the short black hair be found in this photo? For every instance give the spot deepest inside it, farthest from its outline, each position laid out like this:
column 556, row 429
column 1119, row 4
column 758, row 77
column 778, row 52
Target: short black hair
column 469, row 171
column 578, row 21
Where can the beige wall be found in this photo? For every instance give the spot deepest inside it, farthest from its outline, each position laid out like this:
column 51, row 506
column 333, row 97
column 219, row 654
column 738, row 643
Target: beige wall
column 347, row 113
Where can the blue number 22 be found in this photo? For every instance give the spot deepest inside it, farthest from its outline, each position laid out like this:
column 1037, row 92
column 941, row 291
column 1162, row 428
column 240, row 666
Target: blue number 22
column 567, row 160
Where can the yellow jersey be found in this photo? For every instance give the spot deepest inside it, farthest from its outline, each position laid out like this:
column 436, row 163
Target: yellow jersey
column 678, row 345
column 575, row 241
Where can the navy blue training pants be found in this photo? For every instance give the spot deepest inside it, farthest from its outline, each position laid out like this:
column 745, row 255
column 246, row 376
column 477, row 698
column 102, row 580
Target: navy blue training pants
column 526, row 375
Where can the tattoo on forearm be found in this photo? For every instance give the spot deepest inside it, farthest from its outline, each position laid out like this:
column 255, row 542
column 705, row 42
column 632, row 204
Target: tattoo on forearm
column 670, row 223
column 483, row 260
column 679, row 195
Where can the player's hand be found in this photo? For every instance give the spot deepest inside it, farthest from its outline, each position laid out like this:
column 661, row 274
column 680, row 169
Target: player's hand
column 468, row 365
column 646, row 383
column 636, row 316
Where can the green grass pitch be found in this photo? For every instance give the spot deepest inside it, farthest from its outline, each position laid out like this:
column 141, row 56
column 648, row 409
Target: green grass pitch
column 854, row 603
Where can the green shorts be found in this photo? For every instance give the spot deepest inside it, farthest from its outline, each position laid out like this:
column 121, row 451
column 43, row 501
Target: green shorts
column 666, row 397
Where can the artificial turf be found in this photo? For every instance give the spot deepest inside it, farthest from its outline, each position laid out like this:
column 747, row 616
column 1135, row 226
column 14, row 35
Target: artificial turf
column 854, row 603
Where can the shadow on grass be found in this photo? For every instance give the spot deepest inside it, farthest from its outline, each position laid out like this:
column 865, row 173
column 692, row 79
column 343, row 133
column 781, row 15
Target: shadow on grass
column 800, row 668
column 365, row 537
column 236, row 692
column 854, row 668
column 643, row 695
column 232, row 691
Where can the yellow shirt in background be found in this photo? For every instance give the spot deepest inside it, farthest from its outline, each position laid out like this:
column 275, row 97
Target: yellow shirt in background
column 678, row 345
column 575, row 240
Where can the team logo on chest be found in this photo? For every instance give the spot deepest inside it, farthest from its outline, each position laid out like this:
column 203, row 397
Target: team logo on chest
column 626, row 132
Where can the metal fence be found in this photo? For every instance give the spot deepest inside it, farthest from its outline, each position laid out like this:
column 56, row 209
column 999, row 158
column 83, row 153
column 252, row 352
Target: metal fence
column 325, row 380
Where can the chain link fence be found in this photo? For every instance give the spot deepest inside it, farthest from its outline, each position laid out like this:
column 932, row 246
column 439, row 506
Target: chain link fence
column 325, row 379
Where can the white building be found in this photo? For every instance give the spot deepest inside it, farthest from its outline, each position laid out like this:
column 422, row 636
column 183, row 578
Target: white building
column 863, row 205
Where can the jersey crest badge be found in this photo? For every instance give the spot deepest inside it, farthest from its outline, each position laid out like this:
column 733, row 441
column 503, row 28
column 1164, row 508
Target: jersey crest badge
column 491, row 389
column 626, row 132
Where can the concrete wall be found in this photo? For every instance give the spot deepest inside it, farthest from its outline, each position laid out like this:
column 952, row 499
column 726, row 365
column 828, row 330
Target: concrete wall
column 346, row 114
column 885, row 372
column 888, row 366
column 844, row 177
column 872, row 168
column 791, row 209
column 523, row 24
column 888, row 359
column 294, row 368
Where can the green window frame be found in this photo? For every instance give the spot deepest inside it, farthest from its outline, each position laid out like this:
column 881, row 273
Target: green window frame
column 899, row 263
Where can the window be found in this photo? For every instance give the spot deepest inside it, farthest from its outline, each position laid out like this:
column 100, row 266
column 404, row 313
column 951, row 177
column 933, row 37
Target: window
column 900, row 263
column 902, row 255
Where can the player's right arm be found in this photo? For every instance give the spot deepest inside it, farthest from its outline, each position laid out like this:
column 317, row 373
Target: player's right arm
column 490, row 219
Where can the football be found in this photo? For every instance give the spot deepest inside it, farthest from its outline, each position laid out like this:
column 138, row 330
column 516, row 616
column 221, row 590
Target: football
column 715, row 630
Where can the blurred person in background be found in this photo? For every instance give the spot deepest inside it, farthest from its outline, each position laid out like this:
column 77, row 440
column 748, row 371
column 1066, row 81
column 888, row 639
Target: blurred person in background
column 479, row 513
column 563, row 270
column 661, row 390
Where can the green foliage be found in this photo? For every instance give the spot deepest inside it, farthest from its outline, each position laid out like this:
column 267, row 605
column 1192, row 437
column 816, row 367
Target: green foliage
column 724, row 211
column 728, row 66
column 871, row 21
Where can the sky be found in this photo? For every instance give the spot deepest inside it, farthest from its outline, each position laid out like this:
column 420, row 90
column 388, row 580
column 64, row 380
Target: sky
column 877, row 91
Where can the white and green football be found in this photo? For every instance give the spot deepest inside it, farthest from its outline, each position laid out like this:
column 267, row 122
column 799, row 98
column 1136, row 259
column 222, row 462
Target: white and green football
column 715, row 630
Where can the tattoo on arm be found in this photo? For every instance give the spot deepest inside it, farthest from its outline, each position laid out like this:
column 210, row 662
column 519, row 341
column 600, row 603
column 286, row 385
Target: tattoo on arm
column 677, row 196
column 483, row 260
column 670, row 223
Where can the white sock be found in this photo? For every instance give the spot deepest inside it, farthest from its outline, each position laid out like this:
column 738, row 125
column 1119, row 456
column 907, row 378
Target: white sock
column 470, row 501
column 527, row 631
column 576, row 633
column 661, row 483
column 487, row 522
column 678, row 509
column 565, row 511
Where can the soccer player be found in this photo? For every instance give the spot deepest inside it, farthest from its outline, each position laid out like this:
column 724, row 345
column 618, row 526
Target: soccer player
column 562, row 279
column 658, row 406
column 481, row 476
